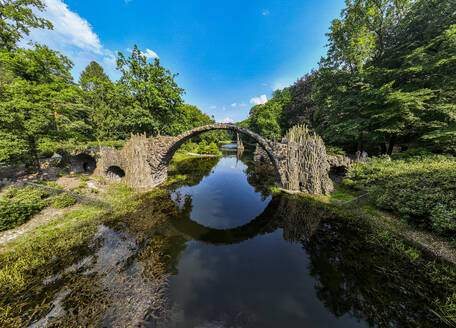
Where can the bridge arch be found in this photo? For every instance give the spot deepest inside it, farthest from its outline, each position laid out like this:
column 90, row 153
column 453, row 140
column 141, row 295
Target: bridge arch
column 145, row 160
column 183, row 137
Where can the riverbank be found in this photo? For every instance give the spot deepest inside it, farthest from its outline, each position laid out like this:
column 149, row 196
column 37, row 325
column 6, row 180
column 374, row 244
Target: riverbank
column 63, row 243
column 358, row 204
column 349, row 204
column 54, row 239
column 86, row 187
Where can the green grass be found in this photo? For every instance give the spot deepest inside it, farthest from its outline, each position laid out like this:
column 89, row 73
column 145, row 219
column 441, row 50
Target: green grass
column 55, row 239
column 26, row 262
column 52, row 184
column 342, row 193
column 182, row 156
column 84, row 178
column 447, row 310
column 42, row 252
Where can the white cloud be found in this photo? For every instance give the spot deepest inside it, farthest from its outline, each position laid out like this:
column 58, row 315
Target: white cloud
column 110, row 60
column 212, row 107
column 233, row 104
column 242, row 105
column 265, row 12
column 259, row 100
column 227, row 120
column 224, row 108
column 69, row 29
column 73, row 36
column 150, row 54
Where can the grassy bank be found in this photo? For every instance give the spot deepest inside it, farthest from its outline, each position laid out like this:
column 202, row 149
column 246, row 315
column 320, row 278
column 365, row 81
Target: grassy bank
column 48, row 248
column 419, row 190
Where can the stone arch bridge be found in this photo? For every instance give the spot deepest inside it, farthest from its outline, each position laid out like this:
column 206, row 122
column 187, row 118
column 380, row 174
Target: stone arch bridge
column 143, row 162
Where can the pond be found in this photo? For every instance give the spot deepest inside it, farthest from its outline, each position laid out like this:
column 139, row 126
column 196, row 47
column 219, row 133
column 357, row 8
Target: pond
column 217, row 250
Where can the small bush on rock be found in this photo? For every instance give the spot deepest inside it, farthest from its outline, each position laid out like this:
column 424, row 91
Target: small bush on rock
column 19, row 204
column 63, row 200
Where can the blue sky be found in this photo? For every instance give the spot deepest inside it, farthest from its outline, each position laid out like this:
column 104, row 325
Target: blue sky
column 229, row 54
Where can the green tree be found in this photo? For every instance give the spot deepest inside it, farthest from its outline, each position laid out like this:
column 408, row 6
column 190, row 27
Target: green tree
column 40, row 105
column 388, row 77
column 360, row 35
column 154, row 88
column 268, row 119
column 16, row 19
column 301, row 107
column 91, row 76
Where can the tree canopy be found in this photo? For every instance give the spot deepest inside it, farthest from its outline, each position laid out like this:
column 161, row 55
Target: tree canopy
column 41, row 108
column 388, row 80
column 16, row 19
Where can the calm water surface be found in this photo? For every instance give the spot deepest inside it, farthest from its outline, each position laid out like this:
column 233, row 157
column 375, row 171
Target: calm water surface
column 218, row 251
column 262, row 281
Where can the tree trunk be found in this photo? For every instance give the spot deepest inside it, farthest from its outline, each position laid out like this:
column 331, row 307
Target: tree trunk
column 391, row 144
column 383, row 149
column 359, row 146
column 34, row 161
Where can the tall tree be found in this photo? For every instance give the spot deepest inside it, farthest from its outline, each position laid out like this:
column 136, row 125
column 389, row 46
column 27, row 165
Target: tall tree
column 92, row 75
column 301, row 108
column 40, row 104
column 388, row 77
column 268, row 119
column 154, row 88
column 360, row 35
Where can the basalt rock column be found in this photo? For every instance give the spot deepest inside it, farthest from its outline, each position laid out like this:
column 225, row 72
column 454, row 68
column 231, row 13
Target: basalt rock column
column 240, row 145
column 307, row 167
column 146, row 161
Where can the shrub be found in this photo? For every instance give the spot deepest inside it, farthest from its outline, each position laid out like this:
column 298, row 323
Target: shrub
column 202, row 147
column 19, row 204
column 82, row 185
column 334, row 151
column 421, row 190
column 189, row 147
column 13, row 214
column 417, row 154
column 63, row 200
column 213, row 149
column 27, row 195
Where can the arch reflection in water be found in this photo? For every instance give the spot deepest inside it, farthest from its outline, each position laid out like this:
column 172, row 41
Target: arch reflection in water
column 288, row 214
